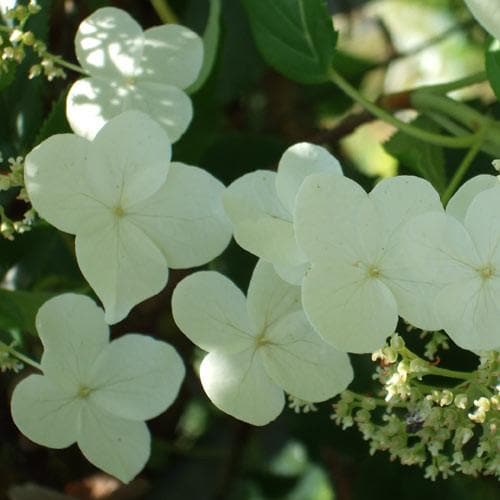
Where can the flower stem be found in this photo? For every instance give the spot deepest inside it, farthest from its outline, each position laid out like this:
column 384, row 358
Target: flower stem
column 432, row 138
column 444, row 88
column 464, row 166
column 65, row 64
column 20, row 356
column 164, row 11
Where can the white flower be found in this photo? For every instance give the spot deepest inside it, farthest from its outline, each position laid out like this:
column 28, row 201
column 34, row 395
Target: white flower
column 132, row 69
column 258, row 348
column 93, row 392
column 460, row 255
column 487, row 13
column 359, row 277
column 132, row 211
column 260, row 205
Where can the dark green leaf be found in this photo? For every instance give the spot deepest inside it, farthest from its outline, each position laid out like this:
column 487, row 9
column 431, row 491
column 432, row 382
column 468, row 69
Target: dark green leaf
column 492, row 62
column 55, row 122
column 296, row 37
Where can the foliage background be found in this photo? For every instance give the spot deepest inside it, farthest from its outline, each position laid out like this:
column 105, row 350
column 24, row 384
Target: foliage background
column 245, row 117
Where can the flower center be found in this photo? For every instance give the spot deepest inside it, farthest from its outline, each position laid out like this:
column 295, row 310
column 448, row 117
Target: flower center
column 118, row 211
column 261, row 340
column 486, row 271
column 83, row 392
column 373, row 271
column 130, row 81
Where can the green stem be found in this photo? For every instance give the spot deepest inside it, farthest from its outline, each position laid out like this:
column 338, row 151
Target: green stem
column 20, row 356
column 444, row 88
column 437, row 139
column 65, row 64
column 164, row 11
column 377, row 401
column 464, row 166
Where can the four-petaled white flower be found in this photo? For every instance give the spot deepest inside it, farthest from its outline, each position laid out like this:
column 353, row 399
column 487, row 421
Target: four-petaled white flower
column 258, row 348
column 261, row 205
column 132, row 69
column 94, row 392
column 359, row 279
column 132, row 211
column 459, row 253
column 487, row 13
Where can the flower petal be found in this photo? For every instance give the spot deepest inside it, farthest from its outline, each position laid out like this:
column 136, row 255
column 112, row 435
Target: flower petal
column 487, row 13
column 172, row 54
column 73, row 333
column 185, row 218
column 297, row 162
column 269, row 298
column 211, row 311
column 118, row 446
column 44, row 413
column 300, row 362
column 403, row 197
column 323, row 218
column 261, row 224
column 109, row 44
column 352, row 312
column 469, row 310
column 292, row 274
column 239, row 385
column 55, row 184
column 128, row 160
column 121, row 264
column 136, row 377
column 460, row 201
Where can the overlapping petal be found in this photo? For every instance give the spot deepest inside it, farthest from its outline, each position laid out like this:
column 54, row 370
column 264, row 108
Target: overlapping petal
column 487, row 13
column 239, row 385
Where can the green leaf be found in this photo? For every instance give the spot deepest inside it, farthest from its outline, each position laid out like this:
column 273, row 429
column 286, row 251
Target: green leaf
column 421, row 158
column 210, row 44
column 492, row 63
column 18, row 309
column 55, row 122
column 296, row 37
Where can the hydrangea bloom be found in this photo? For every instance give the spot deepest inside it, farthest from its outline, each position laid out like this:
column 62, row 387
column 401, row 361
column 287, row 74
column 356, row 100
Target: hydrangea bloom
column 260, row 205
column 132, row 211
column 359, row 279
column 132, row 69
column 258, row 348
column 487, row 13
column 458, row 252
column 94, row 392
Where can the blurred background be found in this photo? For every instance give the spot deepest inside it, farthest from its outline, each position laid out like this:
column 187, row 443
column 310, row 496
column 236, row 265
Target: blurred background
column 246, row 115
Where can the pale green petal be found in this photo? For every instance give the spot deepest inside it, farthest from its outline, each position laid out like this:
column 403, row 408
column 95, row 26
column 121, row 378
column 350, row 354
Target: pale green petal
column 292, row 274
column 117, row 446
column 56, row 186
column 166, row 104
column 297, row 162
column 128, row 160
column 325, row 209
column 44, row 413
column 261, row 223
column 460, row 201
column 211, row 311
column 185, row 218
column 300, row 362
column 482, row 222
column 172, row 54
column 136, row 377
column 109, row 43
column 92, row 102
column 403, row 197
column 469, row 310
column 239, row 385
column 487, row 13
column 121, row 264
column 73, row 333
column 350, row 311
column 269, row 298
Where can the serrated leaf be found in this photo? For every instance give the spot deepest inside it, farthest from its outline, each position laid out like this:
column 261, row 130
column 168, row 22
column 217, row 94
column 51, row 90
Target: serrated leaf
column 55, row 122
column 18, row 309
column 422, row 158
column 210, row 45
column 296, row 37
